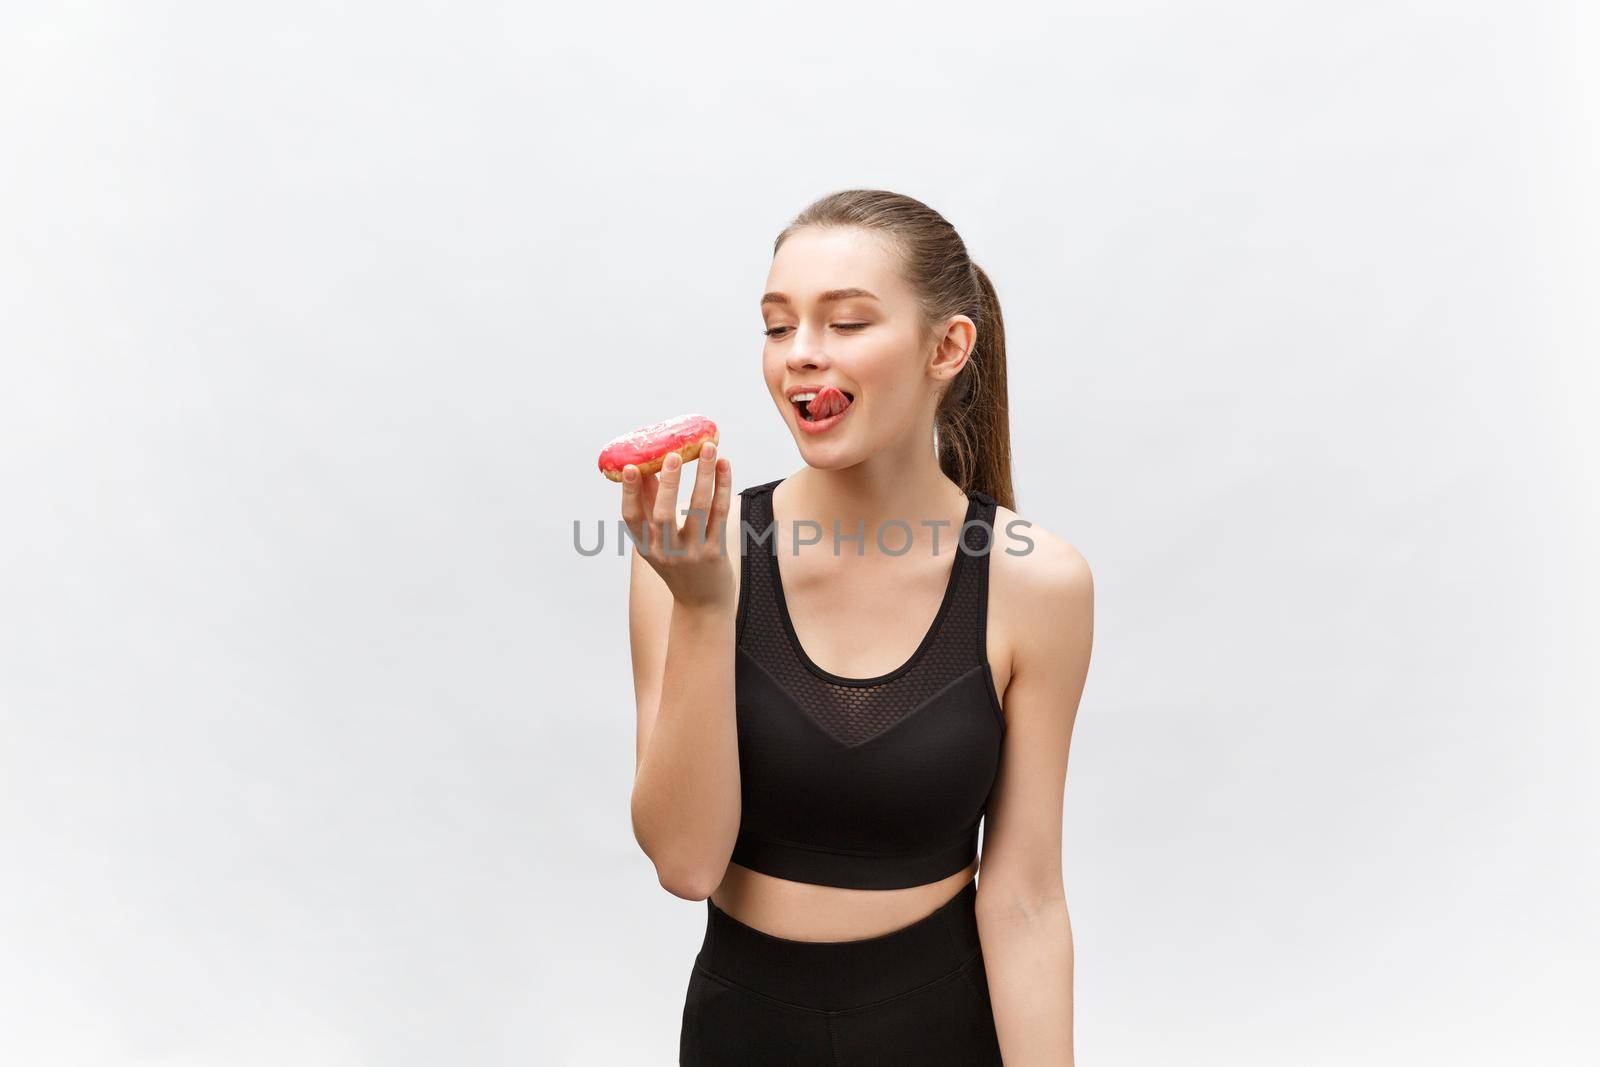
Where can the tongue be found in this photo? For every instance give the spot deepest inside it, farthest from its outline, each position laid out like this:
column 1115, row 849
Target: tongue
column 829, row 402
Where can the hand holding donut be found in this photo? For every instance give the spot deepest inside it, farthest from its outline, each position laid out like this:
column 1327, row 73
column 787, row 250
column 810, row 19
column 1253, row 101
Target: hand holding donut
column 690, row 556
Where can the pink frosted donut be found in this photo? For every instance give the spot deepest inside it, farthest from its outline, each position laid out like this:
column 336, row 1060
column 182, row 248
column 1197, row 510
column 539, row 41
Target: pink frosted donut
column 648, row 446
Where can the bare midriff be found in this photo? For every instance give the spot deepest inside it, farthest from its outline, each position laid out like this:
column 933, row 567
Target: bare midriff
column 798, row 911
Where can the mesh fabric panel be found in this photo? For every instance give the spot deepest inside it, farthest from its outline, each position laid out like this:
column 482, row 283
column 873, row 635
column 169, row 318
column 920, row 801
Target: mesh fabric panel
column 854, row 711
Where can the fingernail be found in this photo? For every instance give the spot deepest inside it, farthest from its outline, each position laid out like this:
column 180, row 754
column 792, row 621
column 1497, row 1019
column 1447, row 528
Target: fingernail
column 630, row 472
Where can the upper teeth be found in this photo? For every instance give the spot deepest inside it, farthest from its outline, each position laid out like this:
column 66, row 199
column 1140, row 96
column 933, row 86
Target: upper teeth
column 802, row 397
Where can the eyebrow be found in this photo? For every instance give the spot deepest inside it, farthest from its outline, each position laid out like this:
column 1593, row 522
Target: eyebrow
column 827, row 297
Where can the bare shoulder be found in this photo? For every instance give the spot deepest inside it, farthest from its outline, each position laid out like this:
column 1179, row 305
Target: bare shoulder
column 1041, row 614
column 1037, row 571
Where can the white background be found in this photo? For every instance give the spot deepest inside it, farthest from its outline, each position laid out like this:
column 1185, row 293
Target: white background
column 316, row 734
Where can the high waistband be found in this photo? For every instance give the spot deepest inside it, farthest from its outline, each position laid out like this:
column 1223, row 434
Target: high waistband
column 840, row 975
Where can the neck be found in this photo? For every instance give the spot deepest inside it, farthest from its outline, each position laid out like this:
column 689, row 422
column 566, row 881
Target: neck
column 869, row 494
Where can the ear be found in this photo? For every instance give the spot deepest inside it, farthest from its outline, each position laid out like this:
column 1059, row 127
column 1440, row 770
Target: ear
column 953, row 344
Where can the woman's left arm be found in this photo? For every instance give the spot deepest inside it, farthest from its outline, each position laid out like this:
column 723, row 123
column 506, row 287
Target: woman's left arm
column 1022, row 904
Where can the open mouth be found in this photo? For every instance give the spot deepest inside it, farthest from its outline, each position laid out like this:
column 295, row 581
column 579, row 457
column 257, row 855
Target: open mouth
column 824, row 404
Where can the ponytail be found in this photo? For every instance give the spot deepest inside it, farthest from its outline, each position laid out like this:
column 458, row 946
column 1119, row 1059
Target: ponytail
column 973, row 424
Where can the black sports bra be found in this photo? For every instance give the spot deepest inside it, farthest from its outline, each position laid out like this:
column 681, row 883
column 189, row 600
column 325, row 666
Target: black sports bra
column 865, row 783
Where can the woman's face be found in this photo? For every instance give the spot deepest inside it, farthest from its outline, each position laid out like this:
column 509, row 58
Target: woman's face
column 838, row 313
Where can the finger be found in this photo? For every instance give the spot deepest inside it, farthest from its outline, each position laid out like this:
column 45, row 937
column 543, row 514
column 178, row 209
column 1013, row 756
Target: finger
column 648, row 484
column 633, row 510
column 664, row 512
column 705, row 484
column 721, row 502
column 649, row 488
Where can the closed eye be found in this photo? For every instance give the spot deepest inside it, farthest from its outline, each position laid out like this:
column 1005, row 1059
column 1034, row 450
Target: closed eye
column 777, row 331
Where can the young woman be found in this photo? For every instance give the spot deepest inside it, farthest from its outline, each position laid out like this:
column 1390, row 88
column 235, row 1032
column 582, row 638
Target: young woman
column 825, row 717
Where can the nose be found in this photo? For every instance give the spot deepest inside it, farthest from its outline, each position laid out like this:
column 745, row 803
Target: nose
column 806, row 352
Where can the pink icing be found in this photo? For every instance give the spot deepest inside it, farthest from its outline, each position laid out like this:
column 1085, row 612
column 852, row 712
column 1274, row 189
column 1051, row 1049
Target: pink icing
column 655, row 440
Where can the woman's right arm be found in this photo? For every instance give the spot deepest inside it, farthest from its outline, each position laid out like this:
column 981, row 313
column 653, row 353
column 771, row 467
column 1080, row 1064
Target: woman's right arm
column 681, row 608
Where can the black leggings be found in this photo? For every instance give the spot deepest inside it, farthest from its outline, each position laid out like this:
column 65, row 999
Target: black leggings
column 917, row 995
